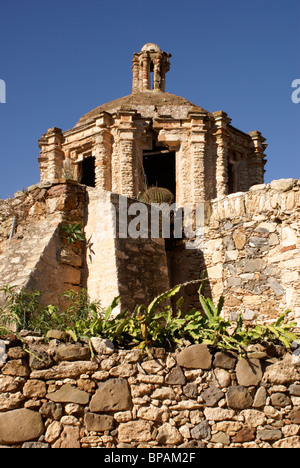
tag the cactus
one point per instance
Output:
(157, 195)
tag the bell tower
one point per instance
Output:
(149, 69)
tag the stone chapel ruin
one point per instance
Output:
(152, 138)
(60, 395)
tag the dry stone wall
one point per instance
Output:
(251, 250)
(56, 396)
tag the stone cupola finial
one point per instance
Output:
(149, 69)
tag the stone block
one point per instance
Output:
(72, 353)
(281, 373)
(218, 414)
(9, 401)
(269, 435)
(244, 435)
(69, 438)
(65, 370)
(253, 418)
(152, 413)
(34, 388)
(201, 431)
(239, 239)
(260, 398)
(211, 396)
(176, 377)
(102, 346)
(238, 397)
(69, 394)
(98, 422)
(254, 265)
(282, 185)
(112, 395)
(195, 357)
(20, 425)
(168, 435)
(3, 355)
(249, 372)
(17, 368)
(135, 431)
(280, 400)
(71, 275)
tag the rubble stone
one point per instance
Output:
(20, 425)
(112, 395)
(157, 403)
(195, 357)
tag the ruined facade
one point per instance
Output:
(154, 138)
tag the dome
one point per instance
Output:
(151, 47)
(147, 104)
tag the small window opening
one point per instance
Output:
(151, 76)
(88, 172)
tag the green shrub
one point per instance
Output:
(73, 232)
(155, 325)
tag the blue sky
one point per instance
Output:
(60, 59)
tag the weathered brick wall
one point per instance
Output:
(56, 396)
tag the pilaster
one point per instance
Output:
(52, 155)
(222, 139)
(102, 153)
(257, 158)
(126, 135)
(198, 141)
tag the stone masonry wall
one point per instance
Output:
(57, 396)
(39, 256)
(251, 250)
(117, 264)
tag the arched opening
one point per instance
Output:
(151, 76)
(88, 176)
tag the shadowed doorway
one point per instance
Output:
(88, 172)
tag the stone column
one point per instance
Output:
(198, 157)
(257, 159)
(52, 155)
(126, 135)
(221, 134)
(157, 74)
(102, 153)
(198, 161)
(146, 73)
(135, 74)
